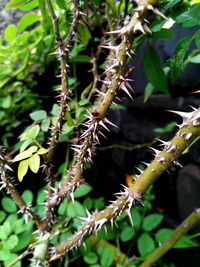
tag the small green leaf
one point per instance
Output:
(152, 221)
(148, 91)
(6, 102)
(25, 154)
(25, 144)
(27, 20)
(2, 216)
(10, 33)
(185, 242)
(38, 115)
(190, 17)
(127, 234)
(31, 133)
(177, 63)
(106, 255)
(45, 124)
(22, 169)
(11, 242)
(91, 257)
(197, 38)
(75, 209)
(194, 58)
(82, 190)
(136, 217)
(42, 151)
(27, 196)
(16, 3)
(163, 235)
(5, 230)
(4, 255)
(8, 205)
(34, 163)
(24, 240)
(154, 71)
(145, 244)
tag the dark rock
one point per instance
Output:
(188, 184)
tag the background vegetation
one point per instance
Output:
(43, 59)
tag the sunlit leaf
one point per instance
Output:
(22, 169)
(34, 163)
(25, 154)
(27, 20)
(10, 33)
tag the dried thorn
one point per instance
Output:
(156, 151)
(158, 13)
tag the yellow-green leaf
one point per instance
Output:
(25, 154)
(22, 169)
(34, 163)
(42, 151)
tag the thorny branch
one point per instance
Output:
(132, 195)
(64, 47)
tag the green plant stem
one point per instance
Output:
(188, 132)
(192, 220)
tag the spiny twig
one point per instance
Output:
(63, 50)
(188, 132)
(8, 183)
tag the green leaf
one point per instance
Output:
(136, 217)
(6, 103)
(5, 230)
(2, 216)
(25, 239)
(25, 144)
(163, 235)
(31, 133)
(38, 115)
(75, 209)
(84, 34)
(152, 221)
(45, 125)
(127, 234)
(189, 18)
(82, 190)
(163, 33)
(10, 33)
(22, 169)
(12, 257)
(11, 242)
(34, 163)
(177, 63)
(19, 226)
(42, 151)
(8, 205)
(154, 71)
(31, 4)
(25, 154)
(106, 256)
(4, 255)
(197, 38)
(27, 20)
(185, 242)
(27, 196)
(148, 91)
(61, 4)
(16, 3)
(91, 257)
(194, 59)
(145, 244)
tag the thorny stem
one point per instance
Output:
(7, 182)
(188, 132)
(97, 118)
(63, 53)
(192, 220)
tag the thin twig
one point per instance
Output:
(192, 220)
